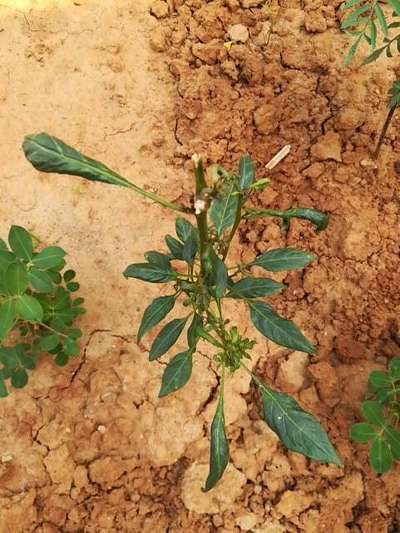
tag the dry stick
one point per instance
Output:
(384, 131)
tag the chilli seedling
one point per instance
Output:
(195, 264)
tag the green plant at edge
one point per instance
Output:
(382, 418)
(362, 23)
(207, 281)
(37, 309)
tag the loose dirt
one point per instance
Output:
(142, 85)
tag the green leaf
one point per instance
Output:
(73, 286)
(71, 347)
(21, 243)
(394, 368)
(393, 440)
(154, 313)
(177, 373)
(16, 279)
(319, 219)
(19, 378)
(48, 258)
(61, 359)
(192, 335)
(217, 274)
(283, 259)
(6, 258)
(167, 338)
(299, 431)
(223, 209)
(159, 259)
(49, 154)
(183, 229)
(69, 275)
(7, 318)
(374, 56)
(351, 52)
(175, 247)
(362, 432)
(219, 454)
(49, 342)
(3, 388)
(28, 308)
(3, 245)
(40, 281)
(380, 15)
(373, 413)
(190, 247)
(246, 172)
(348, 4)
(380, 457)
(353, 18)
(150, 272)
(254, 288)
(395, 5)
(373, 34)
(277, 329)
(378, 381)
(25, 359)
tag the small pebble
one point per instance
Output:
(238, 33)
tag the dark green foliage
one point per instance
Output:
(381, 413)
(36, 305)
(196, 265)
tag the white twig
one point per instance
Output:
(278, 157)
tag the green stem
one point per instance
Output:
(45, 326)
(158, 199)
(385, 127)
(201, 218)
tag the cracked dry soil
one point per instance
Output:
(91, 448)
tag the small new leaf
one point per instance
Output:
(223, 209)
(246, 172)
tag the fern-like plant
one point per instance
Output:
(367, 21)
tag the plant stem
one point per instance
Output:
(384, 131)
(201, 217)
(158, 199)
(45, 326)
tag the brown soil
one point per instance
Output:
(91, 448)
